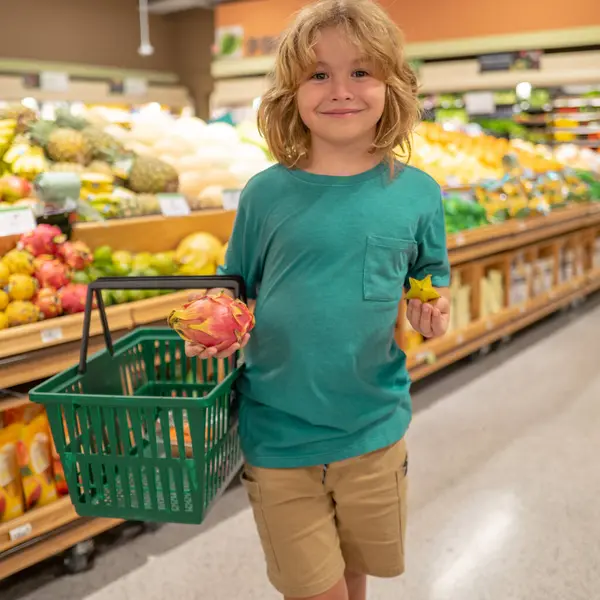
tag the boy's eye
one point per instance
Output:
(360, 73)
(319, 76)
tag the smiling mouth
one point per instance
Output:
(341, 113)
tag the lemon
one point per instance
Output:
(4, 299)
(4, 274)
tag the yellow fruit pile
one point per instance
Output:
(17, 288)
(456, 158)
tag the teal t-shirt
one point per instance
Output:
(327, 258)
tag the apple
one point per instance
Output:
(13, 188)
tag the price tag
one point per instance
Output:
(453, 181)
(51, 334)
(460, 339)
(54, 81)
(173, 205)
(480, 103)
(134, 86)
(18, 533)
(489, 325)
(17, 220)
(459, 239)
(231, 199)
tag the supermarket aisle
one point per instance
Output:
(504, 504)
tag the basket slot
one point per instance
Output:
(136, 425)
(150, 416)
(164, 360)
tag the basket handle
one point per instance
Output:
(170, 282)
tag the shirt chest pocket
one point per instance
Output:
(387, 261)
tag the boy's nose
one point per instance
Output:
(341, 91)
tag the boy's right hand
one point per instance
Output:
(192, 349)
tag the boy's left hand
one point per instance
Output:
(430, 319)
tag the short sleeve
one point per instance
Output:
(243, 253)
(432, 257)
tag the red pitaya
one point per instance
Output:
(213, 321)
(44, 239)
(51, 273)
(73, 296)
(48, 302)
(76, 254)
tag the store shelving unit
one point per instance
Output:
(36, 351)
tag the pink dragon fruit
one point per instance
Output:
(50, 272)
(48, 301)
(72, 297)
(44, 239)
(76, 254)
(213, 321)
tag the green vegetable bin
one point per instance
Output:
(143, 432)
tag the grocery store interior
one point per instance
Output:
(125, 141)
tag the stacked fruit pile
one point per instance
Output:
(46, 276)
(37, 277)
(457, 158)
(115, 180)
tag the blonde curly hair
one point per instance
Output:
(371, 28)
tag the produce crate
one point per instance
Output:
(143, 432)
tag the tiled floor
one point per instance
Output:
(505, 488)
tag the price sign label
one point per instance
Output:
(17, 220)
(54, 81)
(459, 239)
(51, 334)
(231, 199)
(480, 103)
(174, 205)
(134, 86)
(21, 532)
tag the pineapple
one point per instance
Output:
(151, 175)
(148, 204)
(68, 145)
(104, 146)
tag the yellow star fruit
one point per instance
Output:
(422, 290)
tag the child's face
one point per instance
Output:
(341, 100)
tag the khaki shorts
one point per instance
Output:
(314, 523)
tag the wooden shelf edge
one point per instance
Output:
(81, 530)
(11, 402)
(41, 520)
(30, 338)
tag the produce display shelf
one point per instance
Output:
(493, 239)
(437, 354)
(32, 352)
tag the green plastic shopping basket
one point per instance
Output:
(143, 432)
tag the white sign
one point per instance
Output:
(480, 103)
(52, 334)
(17, 220)
(18, 533)
(54, 81)
(231, 199)
(134, 86)
(174, 205)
